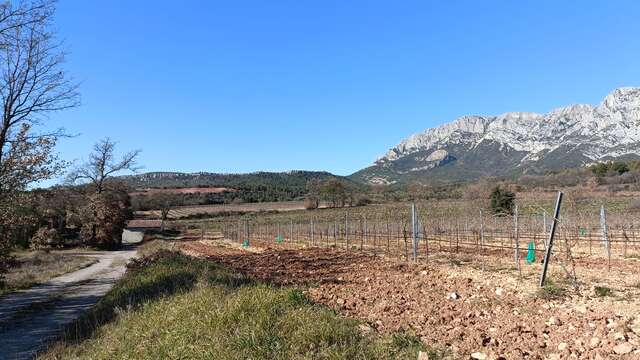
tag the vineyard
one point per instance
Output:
(394, 232)
(454, 273)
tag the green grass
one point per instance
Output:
(181, 307)
(36, 267)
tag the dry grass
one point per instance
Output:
(37, 267)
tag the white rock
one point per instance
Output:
(453, 296)
(562, 346)
(581, 309)
(499, 291)
(623, 348)
(479, 356)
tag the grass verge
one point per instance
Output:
(175, 306)
(36, 267)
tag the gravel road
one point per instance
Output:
(30, 319)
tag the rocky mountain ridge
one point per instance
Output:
(515, 143)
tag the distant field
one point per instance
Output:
(189, 190)
(186, 211)
(585, 202)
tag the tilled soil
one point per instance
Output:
(466, 310)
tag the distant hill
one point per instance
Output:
(250, 187)
(294, 178)
(513, 144)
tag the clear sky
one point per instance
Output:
(240, 86)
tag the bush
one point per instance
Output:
(619, 168)
(45, 238)
(502, 201)
(104, 218)
(363, 201)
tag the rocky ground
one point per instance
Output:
(472, 306)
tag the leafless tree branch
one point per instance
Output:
(102, 165)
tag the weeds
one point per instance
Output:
(603, 291)
(552, 291)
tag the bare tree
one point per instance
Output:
(163, 202)
(32, 86)
(102, 165)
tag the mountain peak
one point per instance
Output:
(621, 99)
(514, 142)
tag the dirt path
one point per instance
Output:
(31, 318)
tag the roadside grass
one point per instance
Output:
(175, 306)
(153, 246)
(36, 267)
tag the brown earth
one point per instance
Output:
(459, 304)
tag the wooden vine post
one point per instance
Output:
(414, 231)
(547, 253)
(517, 240)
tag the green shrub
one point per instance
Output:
(502, 201)
(363, 201)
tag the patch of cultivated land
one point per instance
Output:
(474, 306)
(186, 211)
(191, 190)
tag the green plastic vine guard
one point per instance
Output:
(531, 253)
(245, 243)
(279, 239)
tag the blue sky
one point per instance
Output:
(240, 86)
